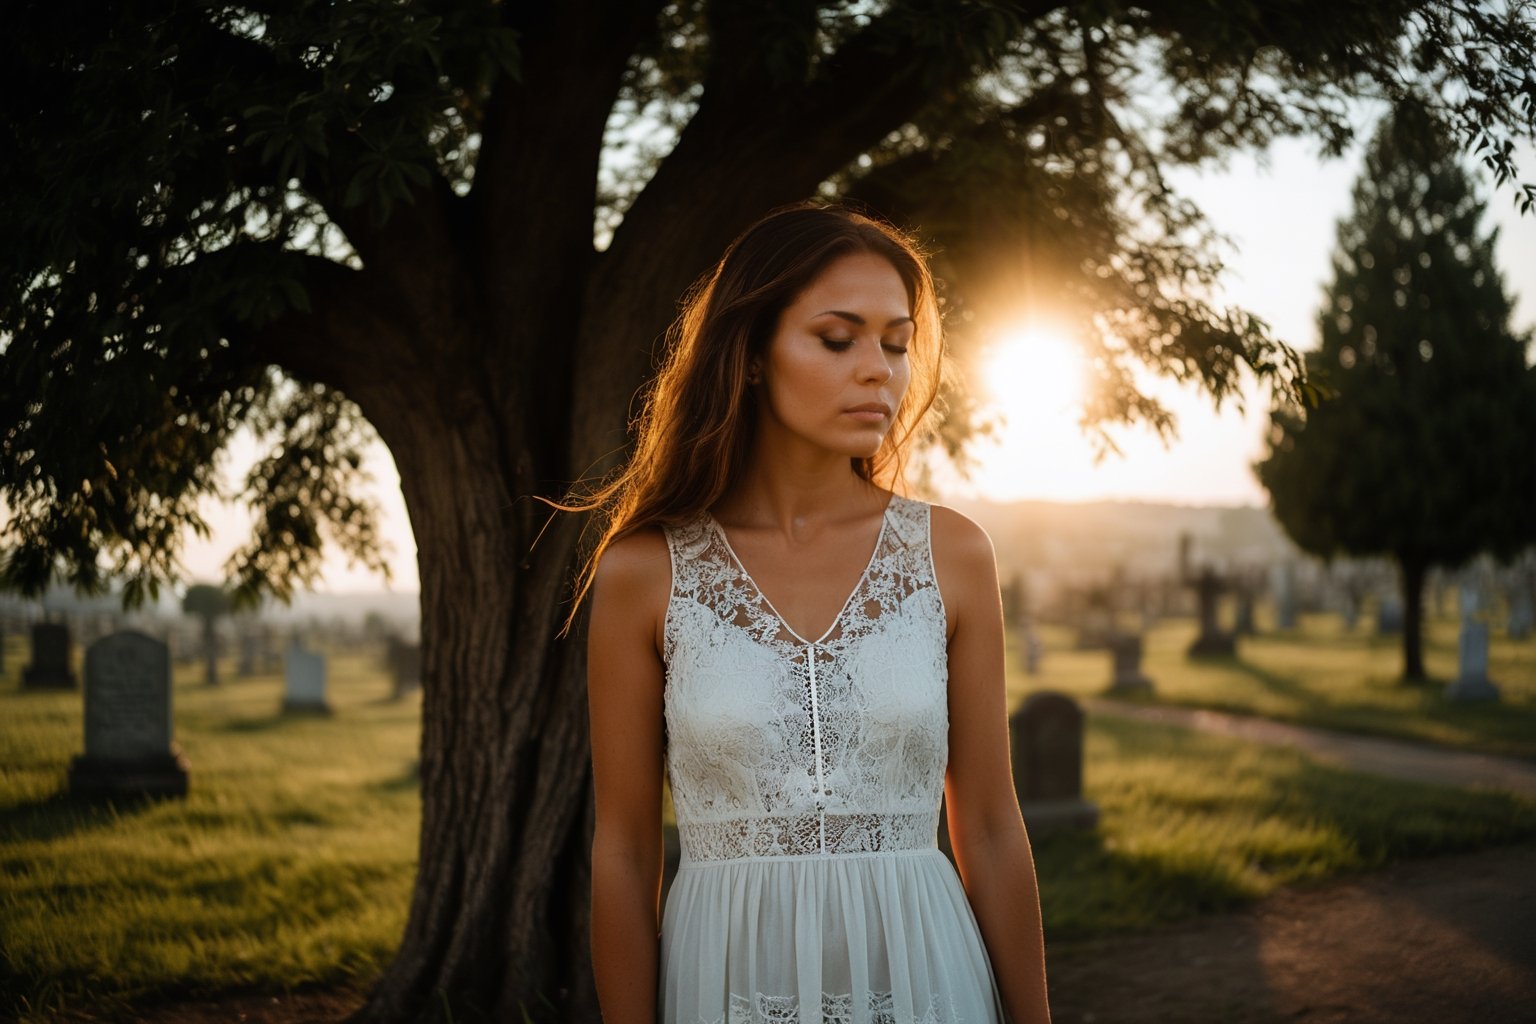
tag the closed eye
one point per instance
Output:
(838, 344)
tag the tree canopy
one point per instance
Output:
(466, 224)
(197, 189)
(1422, 452)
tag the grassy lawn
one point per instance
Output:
(1192, 823)
(292, 859)
(1320, 675)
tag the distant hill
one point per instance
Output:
(1050, 539)
(1140, 537)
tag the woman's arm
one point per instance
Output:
(624, 688)
(986, 829)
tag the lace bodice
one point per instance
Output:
(778, 745)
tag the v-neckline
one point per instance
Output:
(885, 519)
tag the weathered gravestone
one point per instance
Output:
(404, 667)
(1472, 682)
(1096, 622)
(1213, 641)
(1034, 650)
(1522, 613)
(49, 669)
(305, 678)
(1242, 623)
(247, 644)
(1389, 615)
(129, 749)
(1047, 742)
(1126, 648)
(1282, 583)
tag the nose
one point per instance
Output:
(875, 364)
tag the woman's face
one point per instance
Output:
(836, 369)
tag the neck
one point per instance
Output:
(792, 489)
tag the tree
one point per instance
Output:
(209, 602)
(466, 224)
(1423, 453)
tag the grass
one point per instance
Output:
(1192, 823)
(292, 859)
(1321, 675)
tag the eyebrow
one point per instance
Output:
(856, 319)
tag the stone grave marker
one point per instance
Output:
(1047, 742)
(1126, 648)
(1213, 641)
(1522, 613)
(1472, 682)
(1243, 620)
(1282, 583)
(305, 678)
(246, 648)
(1389, 615)
(1034, 650)
(49, 669)
(129, 750)
(404, 667)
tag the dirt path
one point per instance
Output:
(1446, 940)
(1376, 755)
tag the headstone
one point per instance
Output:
(305, 676)
(1034, 650)
(129, 749)
(1522, 613)
(1126, 648)
(245, 661)
(1096, 627)
(1472, 682)
(1213, 640)
(1351, 612)
(1047, 741)
(404, 667)
(1282, 583)
(1389, 616)
(1243, 624)
(49, 669)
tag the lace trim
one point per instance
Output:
(807, 834)
(835, 1009)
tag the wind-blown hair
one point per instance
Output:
(697, 424)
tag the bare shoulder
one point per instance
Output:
(959, 543)
(636, 567)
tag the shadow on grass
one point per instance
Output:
(62, 815)
(407, 781)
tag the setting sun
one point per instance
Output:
(1034, 379)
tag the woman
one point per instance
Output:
(812, 659)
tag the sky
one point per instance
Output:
(1280, 214)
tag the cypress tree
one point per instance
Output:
(1421, 447)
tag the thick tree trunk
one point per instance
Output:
(1414, 569)
(497, 928)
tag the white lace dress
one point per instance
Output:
(806, 777)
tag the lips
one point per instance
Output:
(875, 407)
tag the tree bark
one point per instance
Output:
(1414, 569)
(493, 932)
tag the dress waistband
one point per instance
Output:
(800, 835)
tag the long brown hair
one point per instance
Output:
(695, 430)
